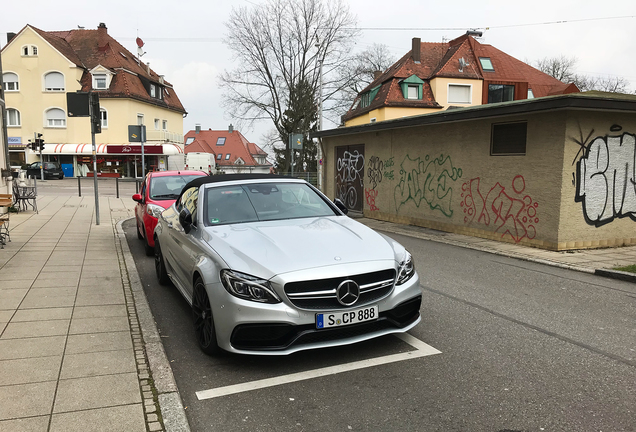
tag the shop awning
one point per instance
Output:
(166, 149)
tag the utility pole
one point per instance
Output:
(94, 101)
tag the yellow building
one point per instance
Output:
(40, 68)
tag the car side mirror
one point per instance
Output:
(185, 219)
(137, 197)
(341, 206)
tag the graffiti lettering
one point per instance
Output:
(514, 215)
(375, 171)
(371, 195)
(427, 180)
(606, 179)
(388, 164)
(350, 169)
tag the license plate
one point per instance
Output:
(335, 319)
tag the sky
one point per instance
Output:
(184, 40)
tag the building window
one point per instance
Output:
(157, 121)
(10, 81)
(530, 94)
(164, 125)
(189, 141)
(459, 93)
(220, 141)
(29, 50)
(486, 64)
(365, 100)
(103, 115)
(55, 118)
(413, 92)
(13, 117)
(153, 90)
(500, 93)
(54, 81)
(140, 119)
(99, 82)
(227, 156)
(509, 138)
(219, 156)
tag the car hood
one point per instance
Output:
(266, 249)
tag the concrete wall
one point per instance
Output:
(443, 177)
(599, 197)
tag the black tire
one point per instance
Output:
(160, 265)
(204, 329)
(150, 250)
(139, 236)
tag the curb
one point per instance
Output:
(616, 274)
(168, 399)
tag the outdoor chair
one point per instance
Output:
(6, 201)
(25, 196)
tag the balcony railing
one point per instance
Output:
(164, 136)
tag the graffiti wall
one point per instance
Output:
(350, 176)
(606, 180)
(509, 211)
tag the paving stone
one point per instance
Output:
(42, 314)
(30, 424)
(91, 299)
(35, 329)
(11, 299)
(99, 311)
(97, 392)
(26, 400)
(127, 418)
(154, 427)
(98, 325)
(32, 347)
(29, 370)
(95, 342)
(97, 363)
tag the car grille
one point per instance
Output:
(321, 293)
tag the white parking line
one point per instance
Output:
(421, 350)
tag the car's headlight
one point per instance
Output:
(406, 270)
(248, 287)
(154, 210)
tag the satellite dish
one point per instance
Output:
(140, 43)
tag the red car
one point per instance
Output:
(159, 191)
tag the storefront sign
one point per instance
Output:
(15, 140)
(134, 149)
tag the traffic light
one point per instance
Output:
(40, 142)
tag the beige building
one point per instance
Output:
(40, 68)
(556, 172)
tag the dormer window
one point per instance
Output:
(412, 88)
(486, 64)
(189, 140)
(220, 141)
(153, 90)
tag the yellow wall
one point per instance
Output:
(32, 101)
(439, 86)
(388, 113)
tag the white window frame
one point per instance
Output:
(219, 156)
(410, 87)
(153, 90)
(51, 123)
(97, 77)
(227, 156)
(29, 50)
(164, 125)
(157, 124)
(103, 117)
(470, 93)
(19, 123)
(6, 83)
(140, 119)
(530, 94)
(54, 89)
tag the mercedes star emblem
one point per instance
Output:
(348, 293)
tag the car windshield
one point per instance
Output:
(168, 187)
(262, 202)
(50, 165)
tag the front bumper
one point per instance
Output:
(247, 327)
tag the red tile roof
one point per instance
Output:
(90, 48)
(443, 60)
(235, 144)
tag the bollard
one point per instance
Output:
(79, 185)
(117, 186)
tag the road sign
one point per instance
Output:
(296, 141)
(136, 133)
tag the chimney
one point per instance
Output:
(148, 67)
(415, 49)
(197, 128)
(376, 75)
(231, 128)
(102, 37)
(10, 36)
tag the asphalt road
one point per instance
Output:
(524, 347)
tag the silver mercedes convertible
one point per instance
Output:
(271, 266)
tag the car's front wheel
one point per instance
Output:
(203, 321)
(160, 265)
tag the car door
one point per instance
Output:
(183, 245)
(33, 170)
(140, 208)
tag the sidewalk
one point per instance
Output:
(79, 350)
(72, 351)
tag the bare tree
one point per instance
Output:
(360, 72)
(563, 69)
(281, 46)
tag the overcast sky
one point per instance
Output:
(183, 40)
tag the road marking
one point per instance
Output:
(421, 350)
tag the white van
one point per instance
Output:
(200, 162)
